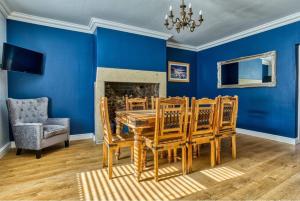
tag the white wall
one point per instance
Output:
(4, 136)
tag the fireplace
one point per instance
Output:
(117, 91)
(115, 83)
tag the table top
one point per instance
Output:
(137, 113)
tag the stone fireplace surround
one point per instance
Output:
(127, 76)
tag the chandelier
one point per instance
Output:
(185, 20)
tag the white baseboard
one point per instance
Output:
(85, 136)
(4, 149)
(268, 136)
(99, 142)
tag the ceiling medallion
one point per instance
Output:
(185, 20)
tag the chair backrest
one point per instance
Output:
(203, 116)
(171, 119)
(27, 110)
(105, 120)
(136, 103)
(227, 109)
(153, 99)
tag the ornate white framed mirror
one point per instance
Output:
(251, 71)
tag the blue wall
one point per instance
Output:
(116, 49)
(68, 74)
(270, 110)
(70, 61)
(71, 58)
(183, 89)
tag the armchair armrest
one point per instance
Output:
(28, 135)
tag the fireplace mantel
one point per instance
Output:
(123, 75)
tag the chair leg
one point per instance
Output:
(118, 153)
(144, 159)
(38, 154)
(155, 153)
(195, 151)
(199, 150)
(175, 154)
(184, 160)
(132, 153)
(190, 158)
(110, 163)
(169, 155)
(18, 151)
(104, 155)
(161, 154)
(67, 143)
(233, 148)
(218, 150)
(212, 153)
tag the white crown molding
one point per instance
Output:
(249, 32)
(268, 136)
(96, 22)
(48, 22)
(4, 9)
(182, 46)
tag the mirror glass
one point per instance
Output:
(253, 71)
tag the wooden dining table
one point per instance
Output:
(138, 121)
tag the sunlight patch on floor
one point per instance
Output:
(95, 185)
(222, 173)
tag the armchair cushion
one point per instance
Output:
(52, 130)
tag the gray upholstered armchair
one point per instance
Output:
(31, 127)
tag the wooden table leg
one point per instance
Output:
(118, 127)
(137, 153)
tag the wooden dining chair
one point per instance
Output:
(136, 103)
(170, 129)
(226, 123)
(112, 142)
(153, 102)
(202, 127)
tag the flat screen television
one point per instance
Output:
(20, 59)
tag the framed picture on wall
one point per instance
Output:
(178, 72)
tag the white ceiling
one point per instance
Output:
(222, 17)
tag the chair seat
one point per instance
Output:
(203, 135)
(122, 137)
(53, 130)
(149, 140)
(226, 132)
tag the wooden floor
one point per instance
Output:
(264, 170)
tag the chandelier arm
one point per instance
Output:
(176, 20)
(195, 23)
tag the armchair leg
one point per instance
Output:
(67, 143)
(38, 154)
(18, 151)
